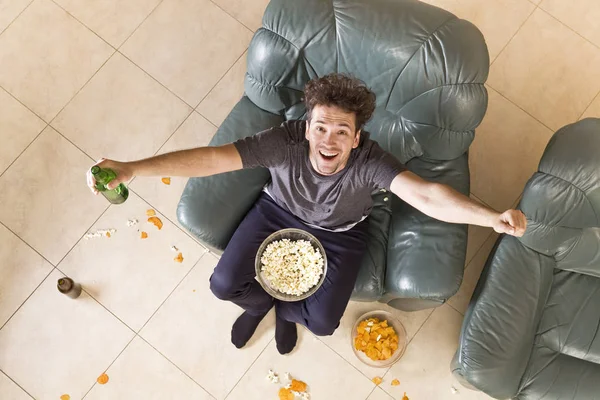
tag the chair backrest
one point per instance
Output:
(426, 66)
(562, 199)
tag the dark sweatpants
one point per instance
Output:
(233, 277)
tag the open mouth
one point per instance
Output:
(327, 155)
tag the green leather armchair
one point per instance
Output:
(532, 329)
(427, 68)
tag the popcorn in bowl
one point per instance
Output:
(291, 266)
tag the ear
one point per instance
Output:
(356, 139)
(306, 130)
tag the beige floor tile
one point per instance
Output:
(498, 20)
(379, 394)
(9, 10)
(341, 340)
(311, 362)
(249, 13)
(112, 20)
(476, 238)
(18, 127)
(194, 132)
(460, 301)
(593, 111)
(505, 153)
(121, 114)
(44, 198)
(424, 371)
(56, 345)
(140, 273)
(22, 270)
(46, 56)
(193, 330)
(10, 391)
(141, 372)
(548, 70)
(218, 103)
(581, 15)
(188, 45)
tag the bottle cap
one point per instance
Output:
(64, 284)
(95, 169)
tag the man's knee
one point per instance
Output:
(322, 324)
(222, 286)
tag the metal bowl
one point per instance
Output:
(291, 234)
(400, 331)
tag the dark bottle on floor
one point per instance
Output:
(68, 287)
(103, 176)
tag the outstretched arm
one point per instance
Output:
(441, 202)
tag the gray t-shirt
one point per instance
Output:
(335, 202)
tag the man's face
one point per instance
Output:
(331, 134)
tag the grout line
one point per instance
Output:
(589, 105)
(171, 135)
(477, 251)
(237, 20)
(139, 25)
(344, 358)
(84, 25)
(454, 308)
(172, 291)
(5, 374)
(519, 107)
(571, 29)
(513, 36)
(176, 223)
(26, 147)
(176, 366)
(413, 338)
(30, 294)
(81, 88)
(156, 80)
(16, 17)
(106, 369)
(248, 369)
(220, 79)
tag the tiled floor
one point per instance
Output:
(127, 79)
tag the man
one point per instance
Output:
(323, 171)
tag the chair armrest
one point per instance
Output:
(212, 207)
(500, 324)
(425, 258)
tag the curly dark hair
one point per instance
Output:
(343, 91)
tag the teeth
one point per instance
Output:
(328, 154)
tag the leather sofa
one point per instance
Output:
(532, 329)
(427, 68)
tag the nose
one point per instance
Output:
(329, 138)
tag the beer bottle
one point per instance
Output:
(103, 176)
(68, 287)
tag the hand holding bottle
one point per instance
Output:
(122, 170)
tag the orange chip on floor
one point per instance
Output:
(144, 235)
(286, 394)
(150, 213)
(166, 181)
(156, 221)
(107, 234)
(65, 397)
(395, 382)
(102, 379)
(405, 397)
(298, 386)
(377, 380)
(179, 258)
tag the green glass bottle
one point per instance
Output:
(103, 176)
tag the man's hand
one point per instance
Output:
(512, 222)
(123, 170)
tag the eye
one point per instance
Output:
(342, 133)
(320, 129)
